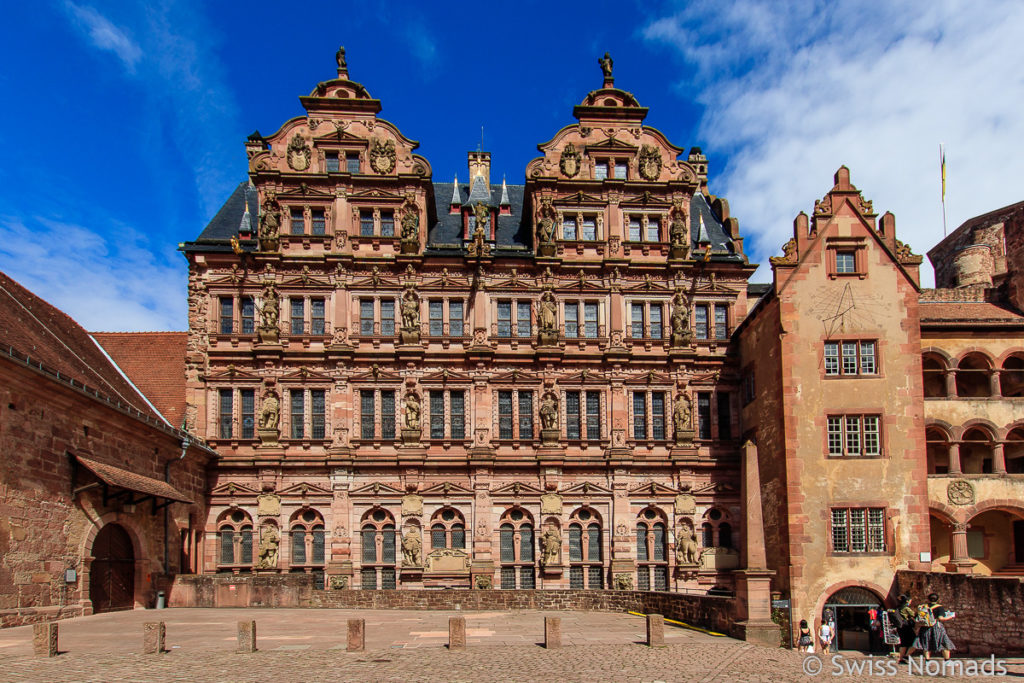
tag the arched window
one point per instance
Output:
(725, 535)
(517, 546)
(976, 451)
(307, 532)
(937, 449)
(651, 544)
(934, 369)
(1011, 377)
(707, 535)
(378, 550)
(1013, 452)
(973, 374)
(585, 550)
(716, 531)
(447, 529)
(234, 531)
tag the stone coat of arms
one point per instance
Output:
(382, 155)
(649, 163)
(299, 153)
(570, 161)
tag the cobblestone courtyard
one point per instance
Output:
(308, 645)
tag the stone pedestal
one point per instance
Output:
(550, 437)
(456, 633)
(655, 630)
(410, 436)
(678, 252)
(268, 438)
(546, 249)
(411, 577)
(409, 335)
(753, 593)
(154, 634)
(356, 635)
(547, 338)
(246, 636)
(552, 632)
(44, 639)
(684, 438)
(410, 247)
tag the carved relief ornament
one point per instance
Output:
(649, 163)
(299, 153)
(960, 492)
(570, 161)
(382, 155)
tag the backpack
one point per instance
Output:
(897, 619)
(925, 617)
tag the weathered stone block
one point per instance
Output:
(246, 636)
(44, 640)
(457, 633)
(356, 635)
(655, 630)
(552, 632)
(154, 634)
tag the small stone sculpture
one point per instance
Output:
(606, 65)
(682, 413)
(549, 412)
(411, 549)
(270, 410)
(269, 541)
(551, 546)
(687, 551)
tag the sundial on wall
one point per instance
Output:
(840, 310)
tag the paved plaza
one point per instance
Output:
(309, 645)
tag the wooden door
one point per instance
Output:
(112, 575)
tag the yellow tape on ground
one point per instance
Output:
(684, 625)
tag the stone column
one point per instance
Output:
(954, 458)
(998, 459)
(993, 383)
(959, 561)
(950, 383)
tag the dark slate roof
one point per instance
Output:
(224, 225)
(512, 231)
(722, 248)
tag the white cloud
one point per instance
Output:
(105, 35)
(109, 282)
(793, 91)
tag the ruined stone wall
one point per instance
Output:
(989, 620)
(43, 529)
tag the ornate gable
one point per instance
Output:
(446, 489)
(517, 488)
(304, 489)
(377, 489)
(652, 488)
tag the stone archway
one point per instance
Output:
(851, 607)
(112, 572)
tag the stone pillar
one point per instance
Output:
(993, 383)
(753, 584)
(954, 458)
(356, 635)
(950, 384)
(959, 560)
(655, 630)
(154, 634)
(998, 459)
(44, 639)
(246, 636)
(456, 633)
(552, 632)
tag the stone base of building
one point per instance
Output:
(767, 634)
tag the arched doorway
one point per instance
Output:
(851, 607)
(112, 574)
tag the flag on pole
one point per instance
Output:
(942, 168)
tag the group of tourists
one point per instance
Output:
(917, 628)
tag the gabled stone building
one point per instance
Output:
(417, 384)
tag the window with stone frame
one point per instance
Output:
(248, 315)
(352, 162)
(378, 550)
(858, 530)
(854, 436)
(648, 411)
(307, 539)
(586, 568)
(298, 220)
(454, 325)
(387, 223)
(652, 550)
(318, 221)
(234, 536)
(647, 319)
(517, 550)
(331, 160)
(297, 318)
(716, 530)
(366, 223)
(226, 415)
(582, 415)
(446, 411)
(851, 358)
(374, 403)
(514, 318)
(376, 316)
(711, 321)
(447, 529)
(582, 319)
(227, 314)
(515, 414)
(703, 415)
(580, 227)
(228, 402)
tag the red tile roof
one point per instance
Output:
(115, 476)
(31, 327)
(972, 313)
(155, 363)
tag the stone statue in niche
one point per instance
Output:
(268, 332)
(270, 223)
(681, 332)
(682, 413)
(478, 240)
(269, 542)
(547, 318)
(549, 412)
(382, 155)
(412, 411)
(678, 234)
(410, 227)
(410, 333)
(546, 228)
(299, 154)
(687, 550)
(606, 64)
(411, 549)
(551, 547)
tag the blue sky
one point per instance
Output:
(124, 122)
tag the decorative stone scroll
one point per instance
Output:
(960, 492)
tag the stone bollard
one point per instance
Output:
(153, 635)
(44, 639)
(356, 635)
(246, 636)
(655, 630)
(457, 633)
(552, 632)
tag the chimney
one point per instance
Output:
(479, 167)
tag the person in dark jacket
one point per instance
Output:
(906, 630)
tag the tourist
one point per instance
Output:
(806, 641)
(903, 617)
(932, 636)
(827, 633)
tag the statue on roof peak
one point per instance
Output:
(606, 65)
(339, 57)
